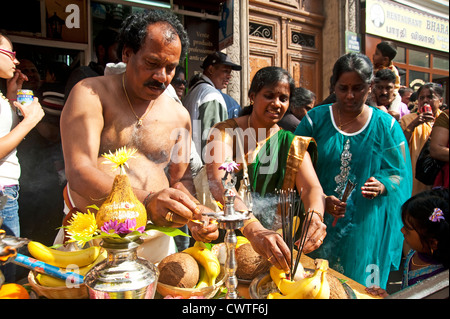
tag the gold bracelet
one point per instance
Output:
(312, 211)
(248, 222)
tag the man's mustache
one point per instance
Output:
(155, 84)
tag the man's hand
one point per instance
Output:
(171, 207)
(204, 229)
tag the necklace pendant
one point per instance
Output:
(139, 123)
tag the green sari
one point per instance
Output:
(273, 168)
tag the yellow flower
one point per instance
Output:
(120, 157)
(82, 227)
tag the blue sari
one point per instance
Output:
(367, 243)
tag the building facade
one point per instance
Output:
(303, 36)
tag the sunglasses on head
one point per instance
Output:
(179, 81)
(11, 54)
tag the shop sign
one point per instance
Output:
(203, 38)
(397, 22)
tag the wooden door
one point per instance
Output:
(282, 33)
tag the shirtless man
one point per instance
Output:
(105, 113)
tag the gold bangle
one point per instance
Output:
(248, 222)
(312, 211)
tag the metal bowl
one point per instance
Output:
(257, 284)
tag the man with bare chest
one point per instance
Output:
(105, 113)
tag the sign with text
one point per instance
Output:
(397, 22)
(352, 42)
(203, 39)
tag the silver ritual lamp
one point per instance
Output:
(230, 220)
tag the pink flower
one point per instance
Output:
(229, 166)
(110, 227)
(128, 226)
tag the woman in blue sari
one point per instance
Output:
(367, 147)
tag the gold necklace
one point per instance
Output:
(418, 265)
(139, 119)
(346, 123)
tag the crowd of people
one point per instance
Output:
(368, 133)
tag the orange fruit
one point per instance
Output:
(13, 291)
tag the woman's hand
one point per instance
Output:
(335, 207)
(32, 113)
(372, 188)
(268, 244)
(316, 233)
(423, 117)
(377, 291)
(14, 84)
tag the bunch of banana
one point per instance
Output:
(61, 258)
(209, 265)
(50, 281)
(203, 278)
(85, 259)
(314, 287)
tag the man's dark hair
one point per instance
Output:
(402, 91)
(385, 75)
(134, 30)
(301, 97)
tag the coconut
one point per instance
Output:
(337, 290)
(122, 204)
(249, 263)
(179, 270)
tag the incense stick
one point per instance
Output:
(349, 187)
(289, 209)
(305, 228)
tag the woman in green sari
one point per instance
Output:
(276, 160)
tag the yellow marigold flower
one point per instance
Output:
(82, 226)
